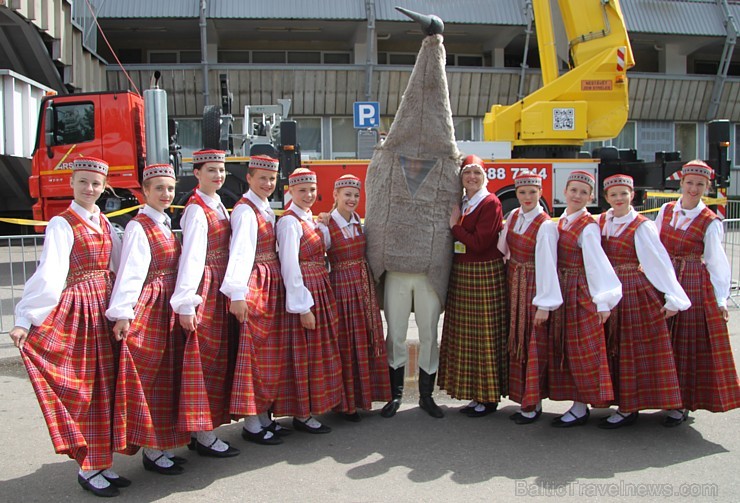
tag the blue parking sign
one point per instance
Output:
(366, 114)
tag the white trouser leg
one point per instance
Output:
(427, 309)
(397, 307)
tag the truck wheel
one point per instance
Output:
(211, 127)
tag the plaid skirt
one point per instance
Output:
(701, 346)
(639, 348)
(361, 345)
(71, 360)
(259, 352)
(527, 343)
(150, 366)
(311, 379)
(206, 374)
(578, 368)
(473, 360)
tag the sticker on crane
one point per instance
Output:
(563, 119)
(620, 59)
(596, 85)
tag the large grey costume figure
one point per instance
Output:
(412, 184)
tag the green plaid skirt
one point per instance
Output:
(474, 360)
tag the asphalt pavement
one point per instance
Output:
(411, 457)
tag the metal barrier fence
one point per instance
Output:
(20, 254)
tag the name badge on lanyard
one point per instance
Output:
(460, 247)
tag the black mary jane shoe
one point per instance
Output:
(488, 408)
(191, 444)
(178, 460)
(278, 429)
(578, 421)
(261, 437)
(206, 450)
(118, 481)
(520, 418)
(301, 426)
(105, 492)
(352, 418)
(152, 466)
(627, 419)
(466, 409)
(672, 422)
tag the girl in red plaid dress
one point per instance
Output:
(529, 242)
(255, 288)
(577, 363)
(151, 349)
(205, 386)
(312, 375)
(64, 337)
(639, 346)
(361, 343)
(693, 236)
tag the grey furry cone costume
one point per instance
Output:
(412, 181)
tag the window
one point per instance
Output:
(464, 60)
(463, 128)
(189, 136)
(268, 57)
(626, 138)
(737, 146)
(162, 57)
(190, 57)
(343, 138)
(74, 123)
(304, 57)
(685, 140)
(402, 59)
(309, 136)
(337, 58)
(233, 57)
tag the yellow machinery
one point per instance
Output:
(588, 102)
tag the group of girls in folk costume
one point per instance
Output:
(529, 242)
(693, 235)
(140, 381)
(361, 343)
(473, 357)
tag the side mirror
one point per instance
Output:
(49, 126)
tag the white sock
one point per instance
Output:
(578, 409)
(98, 481)
(252, 424)
(472, 404)
(264, 419)
(110, 474)
(676, 413)
(480, 407)
(169, 454)
(159, 457)
(616, 417)
(209, 439)
(311, 422)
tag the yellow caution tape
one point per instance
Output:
(23, 221)
(123, 211)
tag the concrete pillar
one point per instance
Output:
(671, 59)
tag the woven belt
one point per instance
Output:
(346, 264)
(214, 258)
(313, 262)
(78, 277)
(633, 266)
(159, 273)
(571, 271)
(262, 258)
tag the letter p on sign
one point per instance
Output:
(366, 114)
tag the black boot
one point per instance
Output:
(397, 377)
(426, 402)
